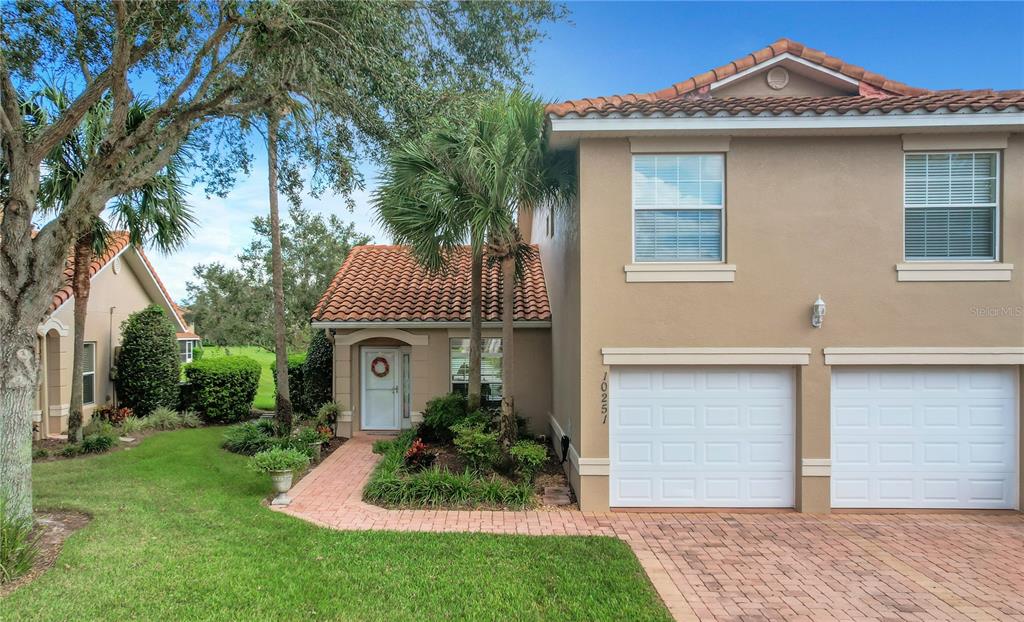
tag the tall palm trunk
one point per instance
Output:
(475, 327)
(507, 428)
(282, 400)
(81, 285)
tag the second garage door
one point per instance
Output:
(924, 437)
(701, 437)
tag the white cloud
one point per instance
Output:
(224, 229)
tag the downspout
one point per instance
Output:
(110, 355)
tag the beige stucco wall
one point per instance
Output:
(429, 372)
(113, 297)
(804, 216)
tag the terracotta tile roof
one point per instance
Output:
(877, 93)
(952, 101)
(117, 241)
(188, 335)
(385, 284)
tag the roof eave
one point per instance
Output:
(423, 323)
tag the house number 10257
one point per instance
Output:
(604, 398)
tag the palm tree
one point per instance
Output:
(473, 182)
(424, 202)
(156, 213)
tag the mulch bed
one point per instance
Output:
(53, 528)
(55, 445)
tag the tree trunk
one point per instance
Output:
(282, 399)
(475, 328)
(507, 427)
(19, 367)
(80, 286)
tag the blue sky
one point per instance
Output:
(621, 47)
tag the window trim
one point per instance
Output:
(89, 373)
(633, 208)
(501, 354)
(997, 218)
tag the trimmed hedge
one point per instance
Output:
(148, 370)
(296, 384)
(221, 390)
(317, 372)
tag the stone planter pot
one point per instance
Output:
(315, 448)
(282, 481)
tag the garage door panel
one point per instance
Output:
(717, 437)
(924, 437)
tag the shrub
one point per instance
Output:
(97, 443)
(197, 352)
(190, 420)
(71, 450)
(441, 415)
(390, 485)
(417, 457)
(308, 436)
(163, 419)
(40, 453)
(248, 438)
(221, 390)
(476, 446)
(327, 415)
(317, 371)
(132, 425)
(19, 544)
(147, 370)
(278, 459)
(296, 388)
(98, 426)
(528, 458)
(109, 413)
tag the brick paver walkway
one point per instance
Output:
(746, 566)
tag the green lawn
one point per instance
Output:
(265, 393)
(179, 534)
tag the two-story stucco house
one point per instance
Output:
(123, 282)
(787, 282)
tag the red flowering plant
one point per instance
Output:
(112, 415)
(418, 457)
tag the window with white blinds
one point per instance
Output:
(490, 367)
(678, 206)
(951, 203)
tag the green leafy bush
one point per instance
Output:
(249, 438)
(71, 450)
(441, 415)
(19, 544)
(221, 390)
(97, 443)
(476, 446)
(132, 425)
(278, 459)
(197, 352)
(317, 371)
(190, 420)
(392, 485)
(99, 426)
(327, 415)
(148, 369)
(528, 458)
(40, 453)
(163, 419)
(296, 383)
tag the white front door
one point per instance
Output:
(701, 437)
(382, 390)
(924, 437)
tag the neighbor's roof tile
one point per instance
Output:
(385, 284)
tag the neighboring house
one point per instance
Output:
(401, 338)
(687, 367)
(123, 282)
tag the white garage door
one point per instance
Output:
(924, 437)
(701, 437)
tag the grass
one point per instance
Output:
(179, 534)
(265, 392)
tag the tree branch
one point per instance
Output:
(119, 76)
(79, 26)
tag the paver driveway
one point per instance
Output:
(746, 566)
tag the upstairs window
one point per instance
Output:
(678, 207)
(950, 206)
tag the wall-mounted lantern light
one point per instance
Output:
(817, 312)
